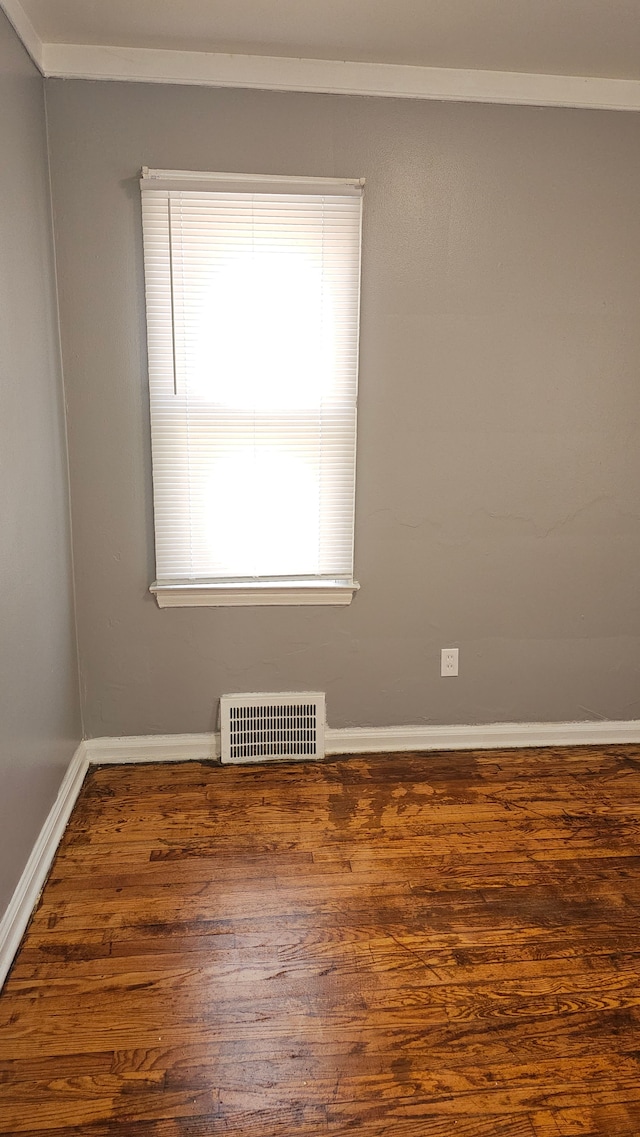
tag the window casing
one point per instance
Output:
(252, 288)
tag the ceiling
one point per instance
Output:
(553, 37)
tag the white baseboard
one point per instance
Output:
(206, 747)
(36, 871)
(377, 739)
(153, 748)
(363, 740)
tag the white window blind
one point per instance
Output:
(252, 293)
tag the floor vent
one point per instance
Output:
(264, 727)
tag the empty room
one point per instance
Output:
(319, 535)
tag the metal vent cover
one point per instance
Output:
(262, 727)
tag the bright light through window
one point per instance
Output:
(266, 333)
(264, 483)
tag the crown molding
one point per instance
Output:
(324, 76)
(145, 65)
(23, 27)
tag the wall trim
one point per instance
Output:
(329, 76)
(24, 29)
(507, 735)
(153, 748)
(206, 747)
(387, 80)
(378, 739)
(16, 918)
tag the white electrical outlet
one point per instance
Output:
(449, 661)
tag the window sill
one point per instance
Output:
(254, 593)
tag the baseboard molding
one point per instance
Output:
(206, 747)
(14, 922)
(362, 740)
(153, 748)
(377, 739)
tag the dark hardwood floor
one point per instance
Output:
(445, 945)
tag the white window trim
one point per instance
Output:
(196, 179)
(254, 593)
(289, 592)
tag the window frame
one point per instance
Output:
(255, 591)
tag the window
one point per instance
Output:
(252, 289)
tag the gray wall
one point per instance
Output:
(499, 431)
(39, 715)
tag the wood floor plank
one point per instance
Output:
(441, 945)
(621, 1119)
